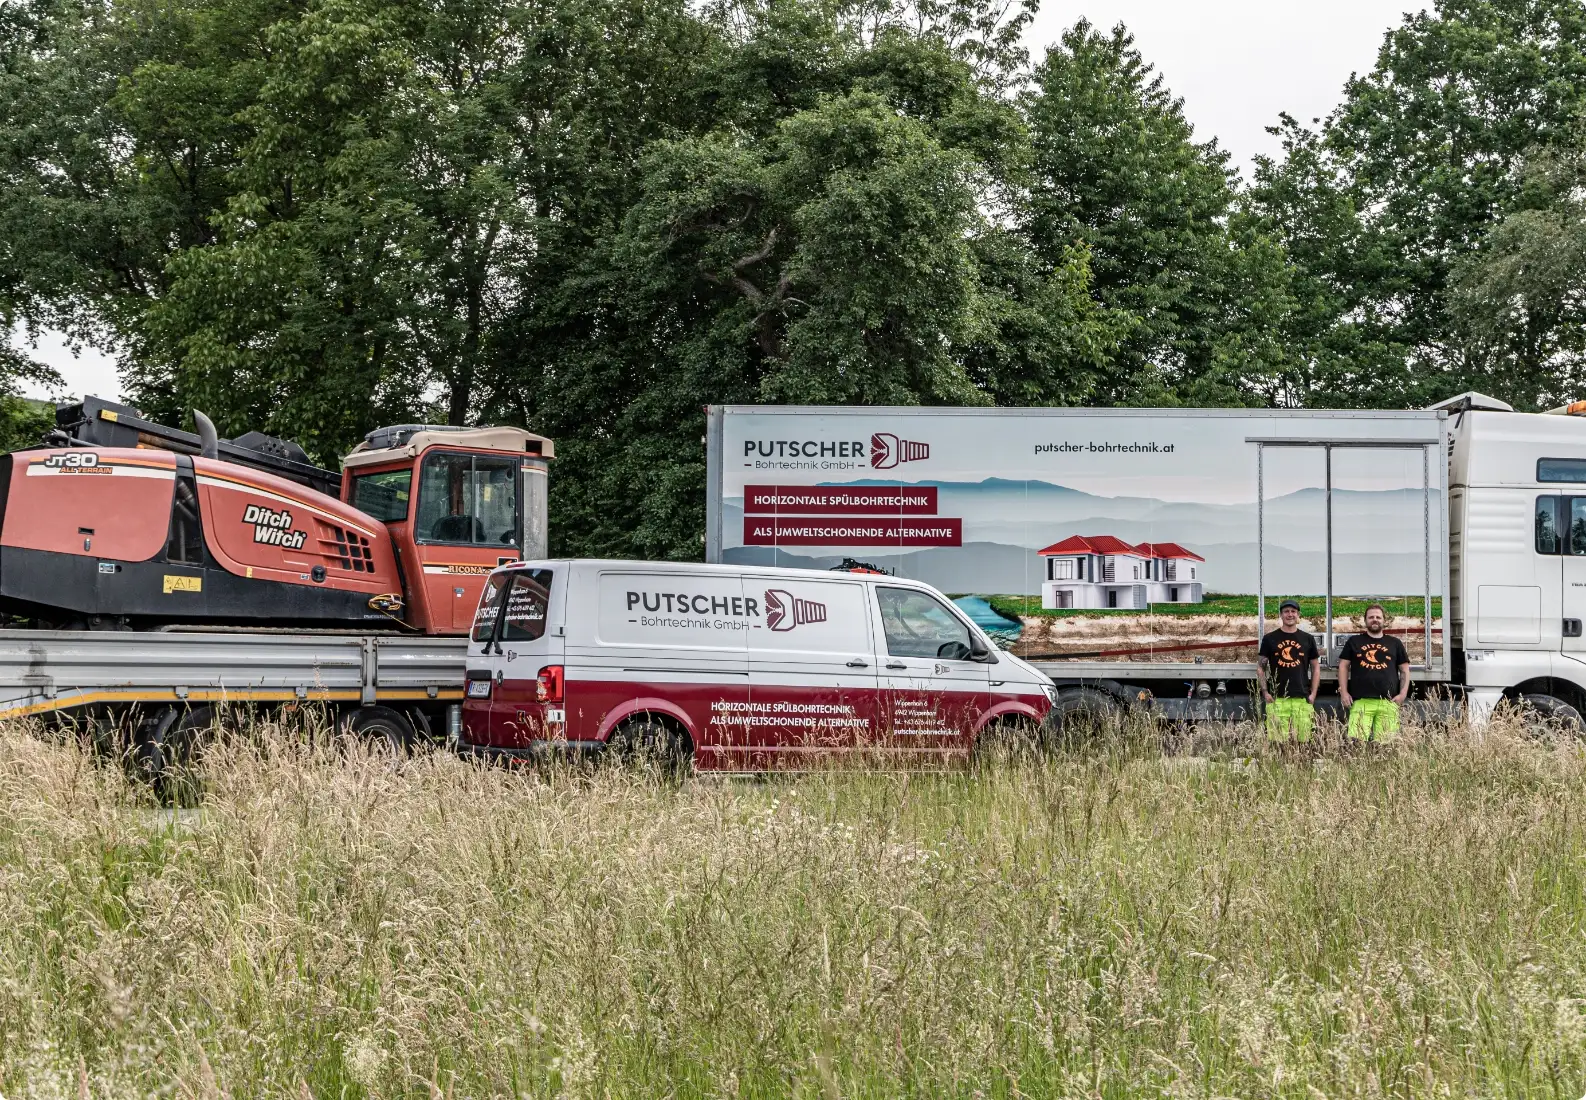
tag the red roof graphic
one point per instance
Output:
(1107, 544)
(1092, 544)
(1169, 550)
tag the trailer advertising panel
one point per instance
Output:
(1161, 535)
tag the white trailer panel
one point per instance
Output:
(1162, 537)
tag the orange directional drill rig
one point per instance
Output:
(120, 523)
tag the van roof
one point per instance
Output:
(685, 567)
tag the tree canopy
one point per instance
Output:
(311, 217)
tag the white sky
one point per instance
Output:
(1235, 63)
(1238, 63)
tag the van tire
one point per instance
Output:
(648, 741)
(1009, 740)
(1544, 715)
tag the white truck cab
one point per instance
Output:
(1517, 563)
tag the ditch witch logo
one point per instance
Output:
(886, 449)
(273, 528)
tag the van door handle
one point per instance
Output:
(896, 664)
(1572, 628)
(857, 663)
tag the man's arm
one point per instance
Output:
(1343, 683)
(1316, 677)
(1404, 681)
(1261, 670)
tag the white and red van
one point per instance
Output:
(745, 669)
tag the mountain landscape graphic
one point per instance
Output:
(1380, 541)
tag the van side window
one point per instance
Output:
(524, 620)
(917, 625)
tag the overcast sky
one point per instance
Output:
(1235, 63)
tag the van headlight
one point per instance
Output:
(1050, 689)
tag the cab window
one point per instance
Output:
(383, 495)
(467, 500)
(917, 625)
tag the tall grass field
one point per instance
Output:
(1108, 921)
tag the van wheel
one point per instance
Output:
(652, 743)
(1010, 740)
(1547, 715)
(382, 727)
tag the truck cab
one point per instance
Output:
(1517, 524)
(458, 502)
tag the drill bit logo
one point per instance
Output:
(887, 450)
(784, 611)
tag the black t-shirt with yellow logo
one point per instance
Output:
(1289, 657)
(1374, 665)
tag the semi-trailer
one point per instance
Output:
(1138, 555)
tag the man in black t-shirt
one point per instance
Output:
(1291, 669)
(1373, 679)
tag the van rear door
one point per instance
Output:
(812, 670)
(932, 693)
(525, 646)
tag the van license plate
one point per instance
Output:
(555, 715)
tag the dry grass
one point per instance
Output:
(1105, 923)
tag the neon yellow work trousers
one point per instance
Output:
(1374, 720)
(1286, 717)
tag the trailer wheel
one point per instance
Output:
(1546, 715)
(166, 746)
(650, 742)
(380, 726)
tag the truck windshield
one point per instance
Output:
(467, 499)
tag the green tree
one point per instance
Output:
(838, 235)
(1115, 169)
(1519, 300)
(23, 421)
(1397, 190)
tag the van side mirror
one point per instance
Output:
(954, 651)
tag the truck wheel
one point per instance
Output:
(381, 727)
(1545, 715)
(646, 741)
(1078, 709)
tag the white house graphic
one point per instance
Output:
(1102, 571)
